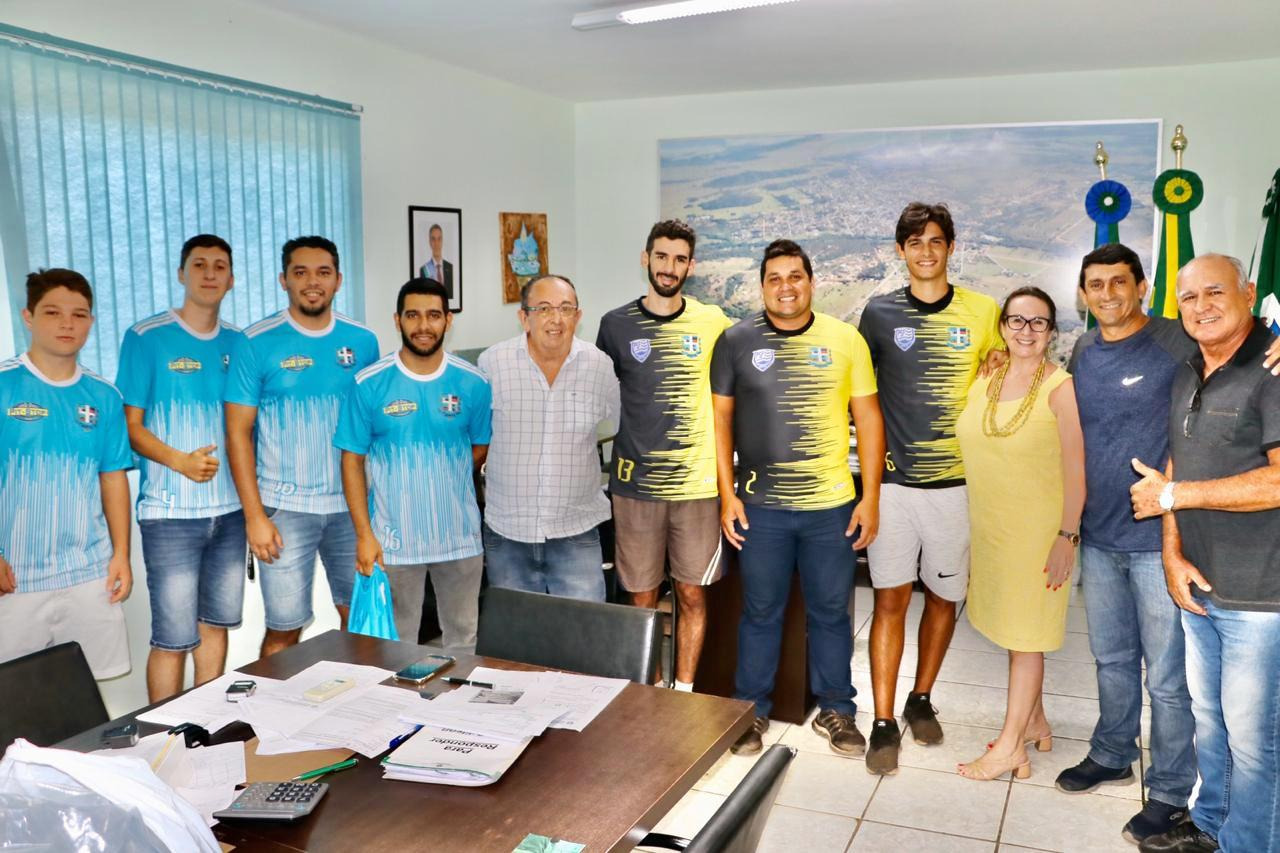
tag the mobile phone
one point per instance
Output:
(418, 673)
(119, 737)
(241, 690)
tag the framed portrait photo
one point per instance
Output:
(435, 248)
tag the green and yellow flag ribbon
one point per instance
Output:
(1176, 193)
(1264, 269)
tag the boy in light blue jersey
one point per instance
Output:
(173, 369)
(288, 378)
(413, 430)
(64, 498)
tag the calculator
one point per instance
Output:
(275, 801)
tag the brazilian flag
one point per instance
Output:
(1265, 267)
(1176, 193)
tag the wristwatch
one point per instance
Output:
(1073, 538)
(1166, 497)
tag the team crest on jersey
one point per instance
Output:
(87, 416)
(640, 349)
(450, 404)
(297, 363)
(762, 359)
(346, 357)
(958, 337)
(904, 337)
(28, 412)
(820, 356)
(184, 365)
(226, 362)
(691, 345)
(400, 408)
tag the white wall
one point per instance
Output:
(1227, 110)
(432, 134)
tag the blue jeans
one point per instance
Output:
(1132, 617)
(286, 583)
(195, 573)
(779, 542)
(568, 567)
(1233, 670)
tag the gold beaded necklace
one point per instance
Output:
(1020, 417)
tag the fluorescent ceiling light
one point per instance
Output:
(662, 12)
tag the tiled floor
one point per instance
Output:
(830, 803)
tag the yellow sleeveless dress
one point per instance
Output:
(1015, 511)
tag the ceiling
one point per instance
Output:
(807, 43)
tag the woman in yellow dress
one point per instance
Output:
(1024, 464)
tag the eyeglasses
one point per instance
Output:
(542, 312)
(1193, 407)
(1017, 322)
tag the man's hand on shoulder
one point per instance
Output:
(995, 360)
(1272, 361)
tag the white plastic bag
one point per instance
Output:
(72, 801)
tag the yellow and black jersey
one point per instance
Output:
(926, 355)
(666, 446)
(791, 393)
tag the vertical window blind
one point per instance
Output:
(109, 162)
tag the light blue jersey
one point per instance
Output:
(297, 379)
(56, 438)
(416, 433)
(177, 376)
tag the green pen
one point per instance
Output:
(321, 771)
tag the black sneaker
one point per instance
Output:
(841, 731)
(1186, 837)
(1089, 774)
(922, 719)
(1155, 818)
(882, 753)
(750, 742)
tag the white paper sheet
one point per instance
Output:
(206, 705)
(367, 724)
(580, 697)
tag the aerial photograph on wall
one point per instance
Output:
(1016, 193)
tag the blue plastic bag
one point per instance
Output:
(371, 610)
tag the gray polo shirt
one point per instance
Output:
(1220, 426)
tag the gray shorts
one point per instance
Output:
(928, 525)
(37, 620)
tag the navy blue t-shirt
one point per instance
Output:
(1122, 391)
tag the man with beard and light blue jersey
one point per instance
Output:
(288, 379)
(172, 373)
(64, 497)
(413, 430)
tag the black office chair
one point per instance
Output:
(737, 825)
(48, 695)
(591, 637)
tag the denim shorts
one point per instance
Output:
(195, 573)
(287, 582)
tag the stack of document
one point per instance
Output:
(364, 718)
(449, 757)
(472, 734)
(206, 776)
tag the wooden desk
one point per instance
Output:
(604, 787)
